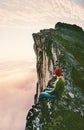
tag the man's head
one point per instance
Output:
(58, 72)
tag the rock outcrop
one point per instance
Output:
(63, 47)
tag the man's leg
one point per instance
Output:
(46, 95)
(47, 89)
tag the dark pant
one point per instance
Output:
(44, 94)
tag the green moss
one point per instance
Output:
(78, 77)
(65, 120)
(75, 48)
(69, 26)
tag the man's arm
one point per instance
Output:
(54, 88)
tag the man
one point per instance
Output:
(58, 87)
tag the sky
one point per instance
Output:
(18, 20)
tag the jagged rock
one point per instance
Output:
(64, 47)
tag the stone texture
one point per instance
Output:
(63, 47)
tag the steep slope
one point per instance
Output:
(63, 47)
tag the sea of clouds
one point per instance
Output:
(17, 89)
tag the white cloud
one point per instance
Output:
(17, 89)
(39, 13)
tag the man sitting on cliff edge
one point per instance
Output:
(58, 87)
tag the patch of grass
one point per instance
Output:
(65, 120)
(75, 48)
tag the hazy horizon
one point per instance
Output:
(17, 89)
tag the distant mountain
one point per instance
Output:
(62, 46)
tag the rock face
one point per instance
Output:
(63, 47)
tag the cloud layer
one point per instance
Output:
(17, 89)
(40, 13)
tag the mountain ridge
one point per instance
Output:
(53, 48)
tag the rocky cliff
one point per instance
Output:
(62, 46)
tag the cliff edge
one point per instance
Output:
(62, 46)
